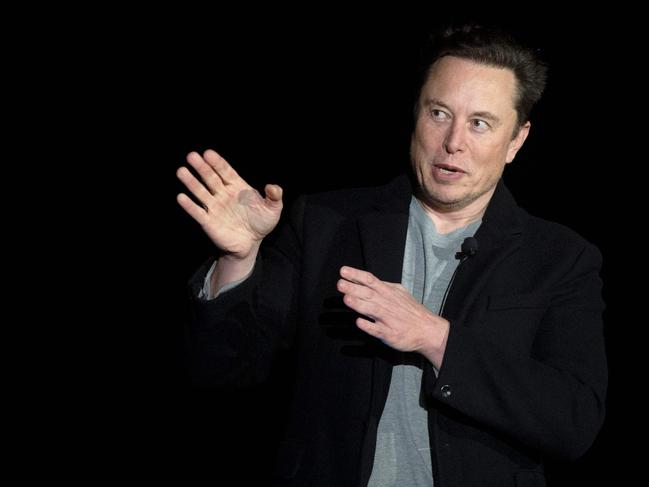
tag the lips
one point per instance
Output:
(447, 173)
(449, 168)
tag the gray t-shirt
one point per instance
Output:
(402, 456)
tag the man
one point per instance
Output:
(396, 385)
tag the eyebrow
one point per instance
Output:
(482, 114)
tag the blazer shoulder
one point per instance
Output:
(556, 237)
(342, 199)
(395, 195)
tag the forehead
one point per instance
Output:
(465, 84)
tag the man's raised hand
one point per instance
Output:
(232, 213)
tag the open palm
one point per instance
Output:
(232, 213)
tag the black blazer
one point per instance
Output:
(524, 373)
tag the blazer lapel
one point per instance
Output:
(497, 237)
(383, 231)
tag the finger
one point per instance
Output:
(195, 211)
(211, 180)
(368, 308)
(273, 193)
(227, 174)
(356, 290)
(370, 328)
(194, 185)
(358, 276)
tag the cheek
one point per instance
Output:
(489, 158)
(426, 137)
(417, 151)
(433, 139)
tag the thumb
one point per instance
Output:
(273, 193)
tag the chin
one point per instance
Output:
(450, 204)
(445, 199)
(447, 194)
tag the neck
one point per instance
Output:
(448, 220)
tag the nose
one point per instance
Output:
(454, 141)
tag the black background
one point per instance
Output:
(317, 101)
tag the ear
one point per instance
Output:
(517, 142)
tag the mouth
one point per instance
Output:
(448, 169)
(447, 174)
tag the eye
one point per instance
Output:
(480, 125)
(438, 114)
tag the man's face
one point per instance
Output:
(463, 134)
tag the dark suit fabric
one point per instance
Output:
(524, 372)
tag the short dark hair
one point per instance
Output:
(490, 46)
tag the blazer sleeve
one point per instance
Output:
(233, 338)
(552, 399)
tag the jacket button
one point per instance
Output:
(446, 390)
